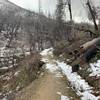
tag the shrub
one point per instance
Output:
(84, 72)
(60, 48)
(29, 71)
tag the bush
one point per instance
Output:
(97, 56)
(84, 72)
(60, 48)
(30, 68)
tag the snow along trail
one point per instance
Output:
(50, 85)
(95, 69)
(80, 85)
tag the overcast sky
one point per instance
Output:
(47, 5)
(78, 9)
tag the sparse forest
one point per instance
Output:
(38, 46)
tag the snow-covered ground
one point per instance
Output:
(47, 52)
(9, 52)
(63, 97)
(95, 68)
(81, 87)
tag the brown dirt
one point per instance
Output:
(47, 87)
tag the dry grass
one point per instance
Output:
(29, 68)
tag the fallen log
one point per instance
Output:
(87, 52)
(88, 45)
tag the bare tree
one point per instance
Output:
(70, 9)
(2, 20)
(60, 11)
(40, 8)
(92, 14)
(11, 26)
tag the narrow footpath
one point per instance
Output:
(51, 85)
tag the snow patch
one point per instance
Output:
(95, 68)
(54, 69)
(88, 96)
(79, 84)
(16, 73)
(51, 67)
(59, 93)
(47, 51)
(64, 97)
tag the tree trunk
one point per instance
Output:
(70, 10)
(87, 52)
(93, 16)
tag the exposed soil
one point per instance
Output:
(48, 87)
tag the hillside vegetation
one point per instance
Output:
(47, 50)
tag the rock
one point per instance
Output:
(75, 68)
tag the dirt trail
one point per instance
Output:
(49, 86)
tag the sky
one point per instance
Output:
(46, 5)
(79, 12)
